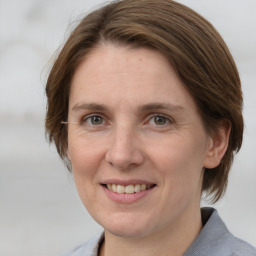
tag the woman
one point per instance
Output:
(145, 108)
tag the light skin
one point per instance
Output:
(132, 121)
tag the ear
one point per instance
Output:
(218, 145)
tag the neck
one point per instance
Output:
(170, 241)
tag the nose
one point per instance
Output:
(124, 151)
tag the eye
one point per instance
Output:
(159, 120)
(93, 120)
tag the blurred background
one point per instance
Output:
(40, 212)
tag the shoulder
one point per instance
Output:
(217, 240)
(240, 247)
(226, 241)
(90, 248)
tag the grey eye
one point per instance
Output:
(160, 120)
(95, 120)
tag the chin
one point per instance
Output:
(127, 232)
(126, 226)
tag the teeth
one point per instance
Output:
(120, 189)
(137, 188)
(114, 187)
(143, 187)
(130, 189)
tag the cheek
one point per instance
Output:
(85, 160)
(179, 163)
(84, 163)
(84, 153)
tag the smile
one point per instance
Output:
(129, 189)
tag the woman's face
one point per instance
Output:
(133, 124)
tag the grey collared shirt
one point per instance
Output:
(213, 240)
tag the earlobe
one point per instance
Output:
(218, 145)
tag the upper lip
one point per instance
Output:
(126, 182)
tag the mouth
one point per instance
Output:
(129, 189)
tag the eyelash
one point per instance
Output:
(166, 118)
(156, 115)
(87, 117)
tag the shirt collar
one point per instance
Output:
(211, 235)
(208, 239)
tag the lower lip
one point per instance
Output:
(127, 198)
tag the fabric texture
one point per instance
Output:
(216, 240)
(213, 240)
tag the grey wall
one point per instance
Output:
(40, 213)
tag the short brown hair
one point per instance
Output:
(191, 44)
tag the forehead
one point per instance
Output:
(117, 74)
(109, 60)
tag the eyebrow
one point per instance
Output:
(161, 106)
(143, 108)
(89, 106)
